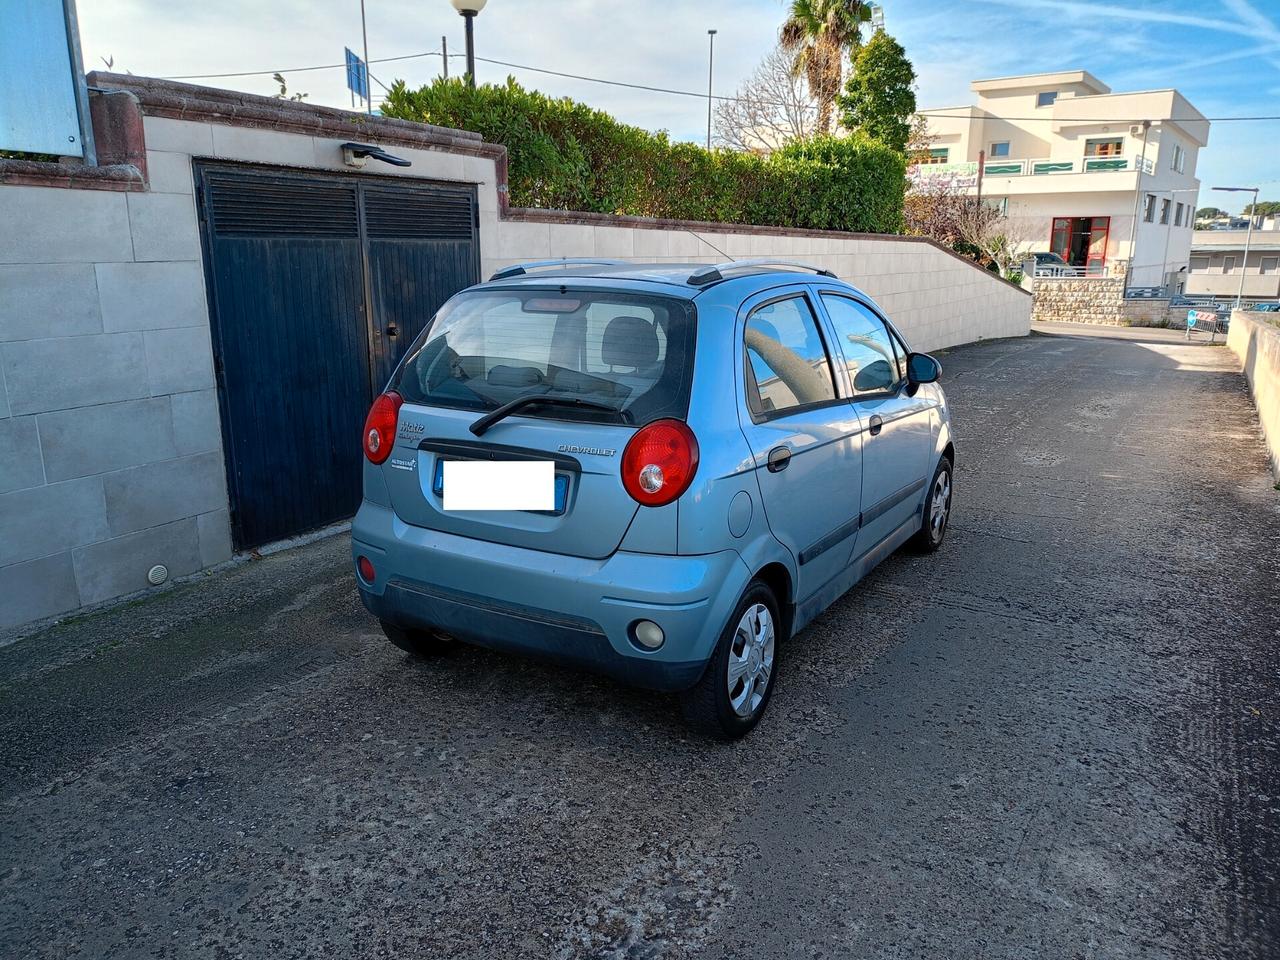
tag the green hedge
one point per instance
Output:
(564, 155)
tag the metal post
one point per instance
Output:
(364, 32)
(470, 16)
(982, 162)
(1137, 197)
(1244, 267)
(444, 55)
(711, 59)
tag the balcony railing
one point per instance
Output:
(961, 172)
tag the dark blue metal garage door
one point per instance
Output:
(317, 285)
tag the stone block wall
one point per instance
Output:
(110, 443)
(1079, 300)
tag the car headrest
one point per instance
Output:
(629, 342)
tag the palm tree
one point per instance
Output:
(817, 33)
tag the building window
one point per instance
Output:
(1179, 159)
(938, 155)
(1046, 98)
(1149, 209)
(1229, 265)
(1109, 147)
(1199, 265)
(1165, 204)
(1178, 214)
(1270, 265)
(1082, 241)
(999, 149)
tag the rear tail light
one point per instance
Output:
(659, 462)
(380, 426)
(365, 566)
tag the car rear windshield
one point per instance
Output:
(632, 352)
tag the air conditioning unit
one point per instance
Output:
(1135, 130)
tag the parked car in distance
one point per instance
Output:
(1050, 264)
(706, 458)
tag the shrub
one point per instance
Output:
(565, 155)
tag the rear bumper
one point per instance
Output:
(571, 609)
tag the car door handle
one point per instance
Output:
(779, 459)
(877, 422)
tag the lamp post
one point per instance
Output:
(1253, 211)
(711, 59)
(468, 9)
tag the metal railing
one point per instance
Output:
(1037, 167)
(1063, 270)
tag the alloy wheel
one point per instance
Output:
(751, 660)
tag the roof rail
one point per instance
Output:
(712, 274)
(522, 268)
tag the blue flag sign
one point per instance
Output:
(357, 75)
(1191, 318)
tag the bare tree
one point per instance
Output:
(773, 108)
(1002, 240)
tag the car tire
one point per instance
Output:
(419, 643)
(933, 525)
(722, 705)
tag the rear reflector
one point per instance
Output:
(380, 426)
(365, 566)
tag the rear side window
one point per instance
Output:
(787, 364)
(872, 357)
(629, 351)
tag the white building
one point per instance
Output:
(1071, 162)
(1218, 263)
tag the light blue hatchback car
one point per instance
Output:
(687, 464)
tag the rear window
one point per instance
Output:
(633, 352)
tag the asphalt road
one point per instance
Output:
(1056, 738)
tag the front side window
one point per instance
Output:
(1179, 162)
(1165, 204)
(786, 361)
(1177, 215)
(632, 352)
(872, 357)
(1046, 98)
(1149, 208)
(1000, 148)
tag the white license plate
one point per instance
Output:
(499, 485)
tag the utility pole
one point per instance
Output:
(711, 59)
(982, 162)
(444, 55)
(364, 32)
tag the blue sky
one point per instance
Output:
(1224, 55)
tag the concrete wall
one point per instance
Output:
(937, 299)
(1255, 340)
(111, 457)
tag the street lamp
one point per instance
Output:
(1253, 210)
(469, 9)
(711, 59)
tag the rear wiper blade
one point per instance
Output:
(529, 400)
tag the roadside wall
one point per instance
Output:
(111, 457)
(1098, 300)
(1255, 341)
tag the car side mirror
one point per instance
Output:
(922, 368)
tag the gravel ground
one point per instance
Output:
(1055, 738)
